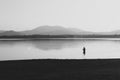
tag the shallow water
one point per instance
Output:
(59, 49)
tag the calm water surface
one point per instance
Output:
(59, 49)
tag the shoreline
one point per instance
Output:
(20, 39)
(53, 69)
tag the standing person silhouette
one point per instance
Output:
(84, 50)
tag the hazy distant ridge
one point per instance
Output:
(55, 30)
(9, 33)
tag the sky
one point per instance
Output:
(90, 15)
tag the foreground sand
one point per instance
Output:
(106, 69)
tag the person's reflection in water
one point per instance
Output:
(84, 51)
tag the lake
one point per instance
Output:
(59, 49)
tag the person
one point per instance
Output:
(84, 50)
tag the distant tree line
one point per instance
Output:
(60, 36)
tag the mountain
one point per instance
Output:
(115, 32)
(9, 33)
(55, 30)
(1, 31)
(47, 30)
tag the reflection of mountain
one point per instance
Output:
(56, 44)
(47, 44)
(8, 43)
(60, 44)
(43, 44)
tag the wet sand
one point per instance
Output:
(47, 69)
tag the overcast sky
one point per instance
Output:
(92, 15)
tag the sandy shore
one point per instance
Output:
(97, 69)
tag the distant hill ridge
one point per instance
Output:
(54, 30)
(9, 33)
